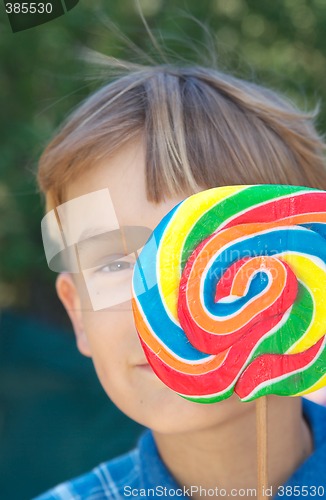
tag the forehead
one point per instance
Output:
(123, 174)
(105, 210)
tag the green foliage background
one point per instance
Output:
(280, 43)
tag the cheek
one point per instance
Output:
(115, 347)
(106, 332)
(113, 342)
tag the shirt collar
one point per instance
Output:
(153, 470)
(155, 473)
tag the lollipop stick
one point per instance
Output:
(261, 431)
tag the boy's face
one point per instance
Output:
(109, 335)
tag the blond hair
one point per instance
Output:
(201, 127)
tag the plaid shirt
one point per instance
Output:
(141, 472)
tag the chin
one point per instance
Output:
(154, 405)
(173, 414)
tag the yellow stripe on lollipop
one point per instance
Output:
(313, 277)
(174, 237)
(318, 385)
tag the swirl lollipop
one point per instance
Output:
(229, 293)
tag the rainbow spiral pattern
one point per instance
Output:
(229, 293)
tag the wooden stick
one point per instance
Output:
(261, 432)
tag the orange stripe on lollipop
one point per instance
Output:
(223, 326)
(166, 356)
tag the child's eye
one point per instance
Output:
(116, 266)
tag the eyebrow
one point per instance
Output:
(101, 246)
(92, 232)
(123, 241)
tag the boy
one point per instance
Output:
(151, 138)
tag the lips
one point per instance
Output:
(144, 365)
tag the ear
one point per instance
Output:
(68, 294)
